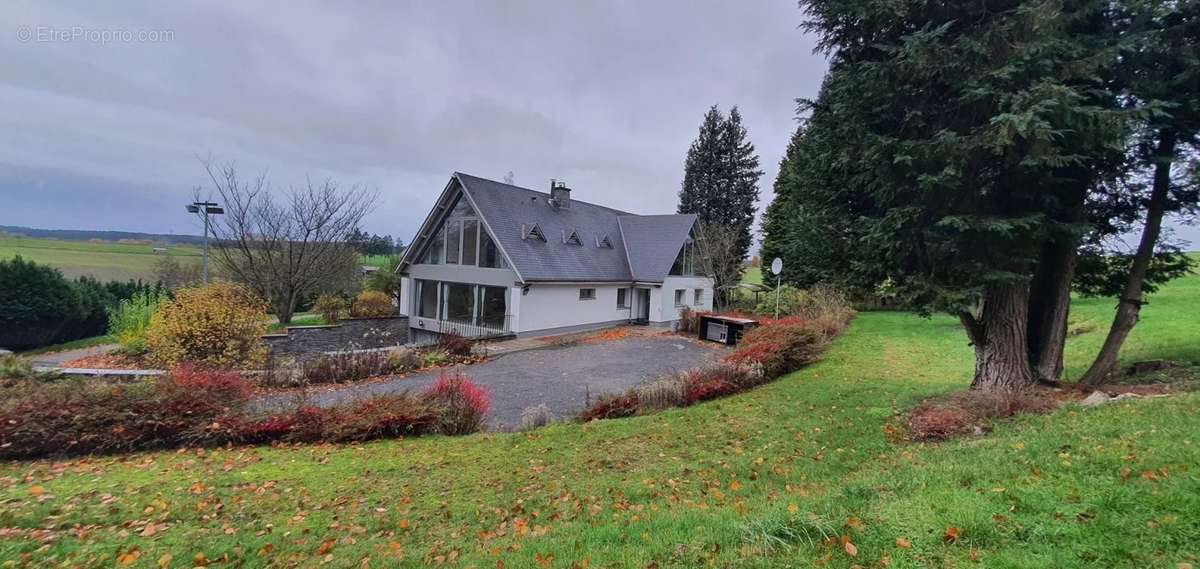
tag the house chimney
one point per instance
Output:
(560, 194)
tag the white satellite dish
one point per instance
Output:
(776, 266)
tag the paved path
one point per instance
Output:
(56, 359)
(560, 377)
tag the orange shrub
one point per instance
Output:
(220, 324)
(372, 304)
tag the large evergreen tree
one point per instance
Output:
(720, 184)
(960, 141)
(1159, 72)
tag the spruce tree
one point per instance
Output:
(960, 141)
(720, 185)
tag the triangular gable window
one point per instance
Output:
(572, 238)
(603, 242)
(533, 232)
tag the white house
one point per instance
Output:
(495, 259)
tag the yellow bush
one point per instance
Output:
(372, 303)
(219, 324)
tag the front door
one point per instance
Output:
(643, 302)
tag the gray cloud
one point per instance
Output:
(606, 95)
(395, 96)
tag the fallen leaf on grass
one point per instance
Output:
(326, 547)
(903, 543)
(129, 557)
(951, 535)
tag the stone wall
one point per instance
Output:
(303, 343)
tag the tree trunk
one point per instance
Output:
(1129, 305)
(1049, 306)
(1000, 336)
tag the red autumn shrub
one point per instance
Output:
(217, 388)
(719, 380)
(454, 344)
(84, 417)
(610, 407)
(780, 347)
(460, 404)
(382, 416)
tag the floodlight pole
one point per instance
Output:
(205, 208)
(206, 252)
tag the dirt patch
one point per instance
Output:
(973, 412)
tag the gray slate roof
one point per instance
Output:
(653, 242)
(648, 244)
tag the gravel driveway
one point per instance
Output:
(560, 377)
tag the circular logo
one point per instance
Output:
(24, 34)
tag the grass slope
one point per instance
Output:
(755, 480)
(105, 261)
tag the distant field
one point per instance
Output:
(103, 260)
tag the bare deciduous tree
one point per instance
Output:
(719, 255)
(289, 247)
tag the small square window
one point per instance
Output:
(622, 298)
(698, 297)
(587, 294)
(679, 297)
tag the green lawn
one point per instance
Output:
(753, 275)
(73, 345)
(755, 480)
(298, 319)
(103, 260)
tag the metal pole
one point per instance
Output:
(206, 245)
(778, 281)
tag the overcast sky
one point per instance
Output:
(106, 108)
(104, 132)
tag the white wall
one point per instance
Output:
(667, 311)
(558, 305)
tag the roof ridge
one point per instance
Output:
(547, 194)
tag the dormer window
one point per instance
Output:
(572, 238)
(532, 232)
(603, 242)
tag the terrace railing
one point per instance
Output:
(465, 329)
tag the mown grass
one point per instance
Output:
(756, 480)
(103, 260)
(298, 319)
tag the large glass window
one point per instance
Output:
(458, 302)
(433, 254)
(686, 263)
(453, 238)
(463, 303)
(461, 239)
(492, 307)
(427, 299)
(489, 254)
(470, 234)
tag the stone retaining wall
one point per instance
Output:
(303, 343)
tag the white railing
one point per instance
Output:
(464, 329)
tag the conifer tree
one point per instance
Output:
(720, 185)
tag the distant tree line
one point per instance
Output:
(374, 244)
